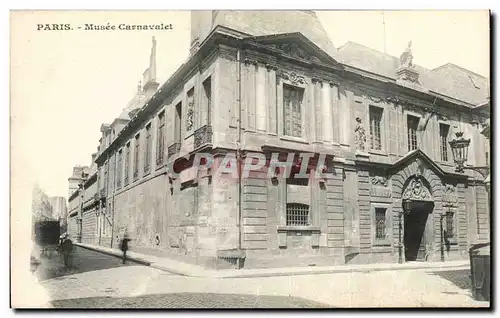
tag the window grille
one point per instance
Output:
(449, 225)
(380, 223)
(297, 214)
(412, 122)
(375, 131)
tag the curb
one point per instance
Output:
(216, 274)
(115, 254)
(334, 271)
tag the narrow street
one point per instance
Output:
(101, 281)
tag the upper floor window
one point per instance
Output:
(127, 163)
(375, 130)
(450, 226)
(292, 104)
(443, 138)
(119, 169)
(412, 123)
(190, 110)
(160, 147)
(136, 156)
(177, 122)
(147, 157)
(105, 175)
(207, 88)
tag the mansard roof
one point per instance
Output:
(449, 79)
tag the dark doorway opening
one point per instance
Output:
(414, 232)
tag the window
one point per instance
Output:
(375, 131)
(136, 157)
(412, 123)
(147, 156)
(297, 214)
(207, 87)
(160, 147)
(292, 103)
(119, 169)
(449, 225)
(443, 137)
(190, 110)
(178, 126)
(380, 224)
(105, 186)
(127, 163)
(487, 158)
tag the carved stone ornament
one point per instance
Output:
(379, 181)
(360, 134)
(450, 194)
(293, 50)
(406, 59)
(416, 190)
(293, 77)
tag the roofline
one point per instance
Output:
(460, 67)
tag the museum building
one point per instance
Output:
(272, 82)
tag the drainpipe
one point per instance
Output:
(238, 158)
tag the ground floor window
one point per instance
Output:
(449, 234)
(380, 223)
(297, 214)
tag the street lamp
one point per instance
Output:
(406, 209)
(459, 148)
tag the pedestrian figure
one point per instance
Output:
(67, 250)
(124, 245)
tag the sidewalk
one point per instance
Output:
(185, 269)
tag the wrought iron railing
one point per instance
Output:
(202, 136)
(174, 149)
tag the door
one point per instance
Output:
(414, 231)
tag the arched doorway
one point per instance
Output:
(418, 204)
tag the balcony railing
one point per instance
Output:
(203, 136)
(174, 149)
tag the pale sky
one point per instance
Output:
(64, 84)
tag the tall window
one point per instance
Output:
(292, 102)
(119, 169)
(380, 224)
(127, 163)
(443, 137)
(190, 110)
(177, 123)
(412, 123)
(449, 225)
(106, 175)
(297, 214)
(375, 131)
(160, 147)
(149, 144)
(207, 87)
(136, 156)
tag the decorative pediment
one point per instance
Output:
(293, 45)
(417, 191)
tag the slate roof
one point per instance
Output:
(258, 23)
(449, 79)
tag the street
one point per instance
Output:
(101, 281)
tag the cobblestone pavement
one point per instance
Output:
(133, 286)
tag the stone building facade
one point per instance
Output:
(382, 124)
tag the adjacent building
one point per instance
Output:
(273, 83)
